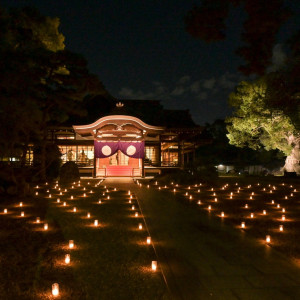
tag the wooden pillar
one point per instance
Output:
(95, 169)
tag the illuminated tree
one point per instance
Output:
(256, 124)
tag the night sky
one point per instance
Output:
(139, 50)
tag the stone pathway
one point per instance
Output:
(202, 258)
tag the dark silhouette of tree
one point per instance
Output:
(207, 22)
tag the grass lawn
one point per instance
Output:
(233, 200)
(110, 261)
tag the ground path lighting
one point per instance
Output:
(5, 211)
(71, 244)
(149, 240)
(46, 226)
(96, 223)
(268, 239)
(154, 265)
(55, 289)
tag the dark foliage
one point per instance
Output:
(69, 172)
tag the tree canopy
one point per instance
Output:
(256, 124)
(41, 83)
(265, 17)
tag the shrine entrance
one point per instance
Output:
(119, 144)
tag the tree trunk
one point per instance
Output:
(292, 162)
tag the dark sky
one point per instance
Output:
(139, 50)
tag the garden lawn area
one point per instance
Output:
(267, 206)
(108, 261)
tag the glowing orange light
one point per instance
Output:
(96, 223)
(154, 265)
(268, 238)
(243, 224)
(71, 244)
(5, 210)
(46, 226)
(38, 220)
(67, 259)
(140, 226)
(149, 240)
(55, 289)
(280, 227)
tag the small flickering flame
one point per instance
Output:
(38, 220)
(252, 215)
(36, 193)
(246, 205)
(65, 203)
(72, 197)
(74, 209)
(243, 224)
(71, 244)
(149, 240)
(140, 226)
(108, 197)
(46, 226)
(21, 204)
(132, 207)
(55, 289)
(154, 265)
(22, 214)
(222, 214)
(88, 215)
(199, 202)
(280, 227)
(268, 238)
(264, 212)
(96, 223)
(50, 196)
(58, 200)
(216, 199)
(67, 259)
(84, 195)
(283, 217)
(209, 207)
(99, 201)
(278, 205)
(283, 210)
(136, 214)
(5, 210)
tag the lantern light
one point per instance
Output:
(88, 215)
(268, 238)
(283, 209)
(209, 207)
(99, 201)
(21, 204)
(283, 217)
(154, 265)
(216, 199)
(222, 214)
(252, 215)
(243, 224)
(149, 240)
(38, 220)
(36, 193)
(264, 212)
(72, 197)
(199, 202)
(132, 207)
(65, 203)
(246, 205)
(74, 209)
(46, 226)
(5, 210)
(136, 214)
(140, 226)
(71, 244)
(96, 223)
(67, 259)
(280, 227)
(22, 214)
(55, 289)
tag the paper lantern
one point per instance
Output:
(21, 204)
(149, 240)
(99, 201)
(84, 195)
(252, 215)
(46, 226)
(71, 244)
(280, 227)
(65, 204)
(136, 214)
(199, 202)
(246, 205)
(108, 197)
(132, 207)
(222, 214)
(22, 214)
(209, 207)
(96, 223)
(88, 215)
(283, 210)
(5, 210)
(243, 225)
(36, 193)
(278, 205)
(38, 220)
(268, 238)
(74, 209)
(55, 289)
(67, 259)
(128, 192)
(283, 217)
(264, 212)
(216, 199)
(140, 226)
(154, 265)
(72, 197)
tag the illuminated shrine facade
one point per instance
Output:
(125, 145)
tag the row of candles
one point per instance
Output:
(55, 286)
(193, 192)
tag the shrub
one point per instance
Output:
(69, 172)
